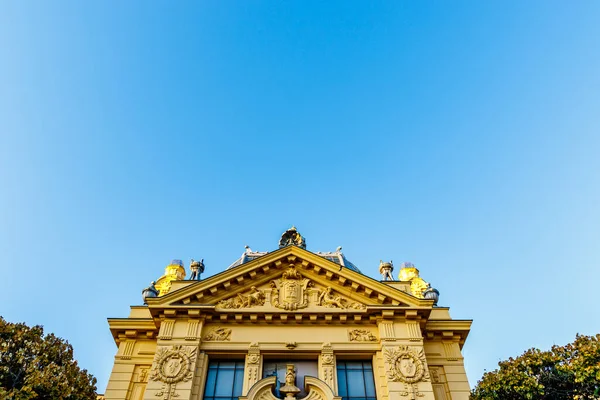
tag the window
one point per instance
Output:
(224, 380)
(355, 380)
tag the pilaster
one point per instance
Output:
(327, 370)
(403, 355)
(253, 368)
(175, 369)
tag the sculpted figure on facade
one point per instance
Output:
(361, 335)
(289, 292)
(219, 335)
(171, 366)
(254, 298)
(329, 299)
(385, 269)
(290, 389)
(197, 268)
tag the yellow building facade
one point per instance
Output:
(289, 324)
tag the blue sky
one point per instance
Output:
(461, 136)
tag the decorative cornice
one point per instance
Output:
(279, 259)
(457, 330)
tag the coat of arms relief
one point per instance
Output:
(292, 291)
(172, 365)
(409, 366)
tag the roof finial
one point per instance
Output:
(292, 237)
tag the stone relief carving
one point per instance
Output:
(327, 359)
(290, 389)
(329, 299)
(254, 298)
(357, 306)
(253, 354)
(407, 365)
(361, 335)
(292, 291)
(219, 335)
(143, 377)
(314, 395)
(289, 292)
(264, 388)
(171, 366)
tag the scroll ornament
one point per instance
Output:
(171, 366)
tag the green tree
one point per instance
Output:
(34, 366)
(564, 372)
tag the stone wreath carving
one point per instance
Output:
(406, 365)
(171, 366)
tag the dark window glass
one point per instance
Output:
(224, 380)
(355, 380)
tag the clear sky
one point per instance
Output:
(461, 136)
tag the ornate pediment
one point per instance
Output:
(289, 279)
(291, 291)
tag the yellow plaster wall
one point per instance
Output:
(385, 321)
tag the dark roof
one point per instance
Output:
(334, 256)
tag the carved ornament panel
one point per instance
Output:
(171, 366)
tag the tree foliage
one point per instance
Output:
(34, 366)
(564, 372)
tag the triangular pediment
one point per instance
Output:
(289, 279)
